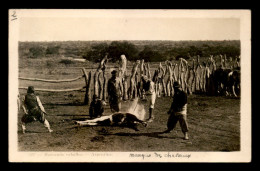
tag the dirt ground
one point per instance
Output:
(214, 122)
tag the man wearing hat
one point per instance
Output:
(33, 109)
(149, 88)
(114, 94)
(178, 111)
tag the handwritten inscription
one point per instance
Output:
(159, 155)
(143, 156)
(140, 155)
(13, 16)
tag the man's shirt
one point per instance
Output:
(113, 88)
(149, 87)
(32, 101)
(179, 102)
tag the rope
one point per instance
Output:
(53, 81)
(57, 90)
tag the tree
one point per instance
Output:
(114, 50)
(96, 53)
(117, 48)
(150, 55)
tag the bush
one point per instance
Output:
(53, 50)
(49, 64)
(66, 61)
(35, 52)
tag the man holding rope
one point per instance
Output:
(33, 109)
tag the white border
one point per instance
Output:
(245, 36)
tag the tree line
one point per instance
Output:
(150, 51)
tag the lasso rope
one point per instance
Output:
(52, 81)
(56, 90)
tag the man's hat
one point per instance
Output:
(114, 72)
(95, 96)
(144, 77)
(176, 84)
(30, 89)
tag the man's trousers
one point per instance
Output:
(174, 118)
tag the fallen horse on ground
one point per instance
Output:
(117, 119)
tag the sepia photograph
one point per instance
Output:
(92, 85)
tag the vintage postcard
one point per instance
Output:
(129, 85)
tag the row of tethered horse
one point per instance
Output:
(214, 76)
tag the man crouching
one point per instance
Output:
(33, 109)
(117, 119)
(96, 108)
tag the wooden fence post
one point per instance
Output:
(104, 97)
(125, 97)
(88, 91)
(96, 84)
(100, 86)
(148, 71)
(86, 100)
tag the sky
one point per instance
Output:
(127, 28)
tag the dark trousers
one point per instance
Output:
(34, 114)
(173, 119)
(114, 103)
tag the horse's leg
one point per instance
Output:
(92, 121)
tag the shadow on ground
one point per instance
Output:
(149, 134)
(66, 104)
